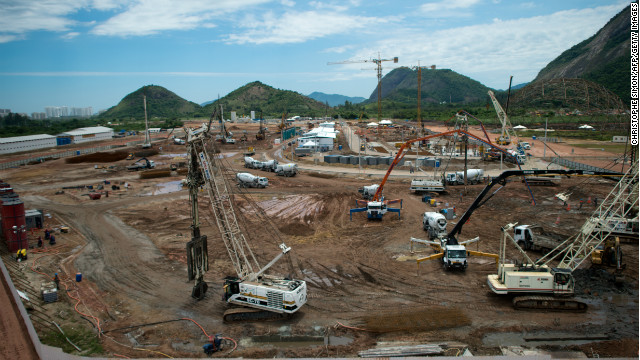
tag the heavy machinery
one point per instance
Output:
(368, 191)
(286, 170)
(376, 207)
(435, 224)
(261, 296)
(261, 131)
(474, 176)
(427, 185)
(452, 253)
(142, 163)
(538, 277)
(507, 135)
(252, 181)
(534, 237)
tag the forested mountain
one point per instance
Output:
(335, 99)
(603, 58)
(161, 103)
(267, 100)
(437, 86)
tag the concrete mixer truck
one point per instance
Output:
(286, 169)
(474, 176)
(435, 224)
(368, 191)
(250, 180)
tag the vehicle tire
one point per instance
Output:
(522, 245)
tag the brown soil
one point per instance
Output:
(363, 282)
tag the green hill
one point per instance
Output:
(437, 86)
(161, 103)
(267, 100)
(603, 58)
(335, 99)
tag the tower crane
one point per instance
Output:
(261, 296)
(378, 63)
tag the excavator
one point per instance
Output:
(260, 296)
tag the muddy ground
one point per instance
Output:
(364, 287)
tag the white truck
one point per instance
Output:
(287, 169)
(452, 254)
(368, 191)
(425, 185)
(270, 165)
(534, 237)
(474, 176)
(250, 180)
(435, 224)
(251, 163)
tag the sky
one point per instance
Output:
(81, 53)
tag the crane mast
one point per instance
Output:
(251, 288)
(505, 137)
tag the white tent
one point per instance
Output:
(585, 126)
(372, 124)
(386, 122)
(519, 127)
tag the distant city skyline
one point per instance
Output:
(93, 53)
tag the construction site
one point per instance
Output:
(168, 251)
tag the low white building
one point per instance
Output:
(26, 143)
(320, 138)
(82, 135)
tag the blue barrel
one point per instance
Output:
(339, 147)
(533, 137)
(78, 277)
(77, 152)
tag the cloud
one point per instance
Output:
(148, 17)
(22, 16)
(447, 8)
(338, 49)
(297, 27)
(520, 47)
(70, 35)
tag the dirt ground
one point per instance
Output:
(364, 287)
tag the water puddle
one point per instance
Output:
(166, 188)
(539, 339)
(279, 341)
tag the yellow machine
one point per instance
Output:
(608, 254)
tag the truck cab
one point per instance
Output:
(455, 257)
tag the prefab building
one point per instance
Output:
(26, 143)
(83, 135)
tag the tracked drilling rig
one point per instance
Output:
(260, 296)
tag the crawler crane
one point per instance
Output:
(539, 277)
(261, 296)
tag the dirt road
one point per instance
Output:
(359, 273)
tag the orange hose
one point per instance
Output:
(351, 327)
(235, 344)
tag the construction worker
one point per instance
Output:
(47, 234)
(52, 240)
(21, 255)
(39, 241)
(57, 280)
